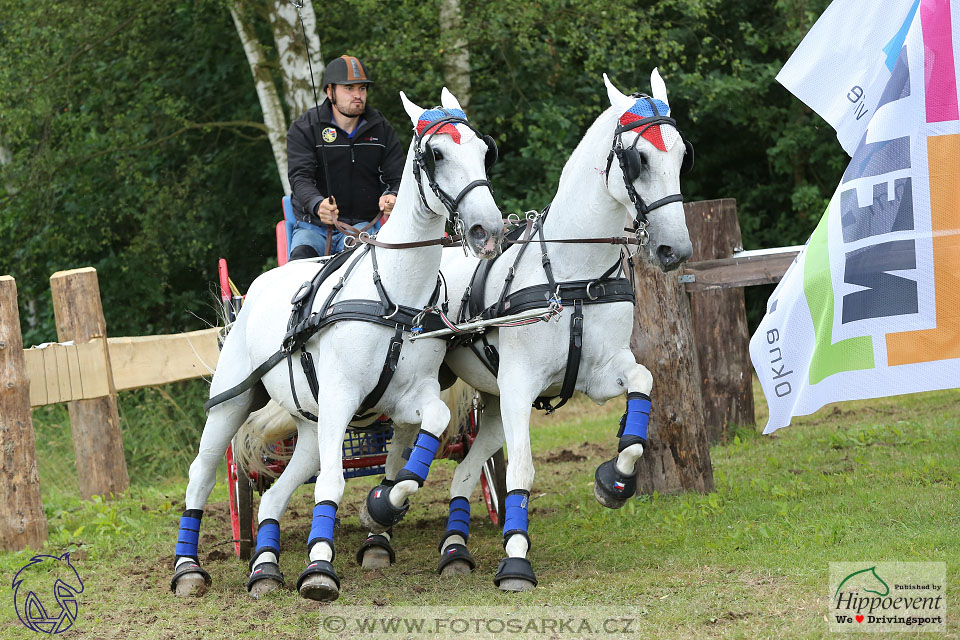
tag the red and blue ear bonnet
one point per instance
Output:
(660, 136)
(431, 115)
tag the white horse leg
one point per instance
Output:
(265, 575)
(616, 479)
(376, 552)
(319, 581)
(455, 559)
(386, 505)
(515, 572)
(222, 424)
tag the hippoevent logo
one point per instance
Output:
(886, 597)
(46, 594)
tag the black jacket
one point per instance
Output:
(361, 168)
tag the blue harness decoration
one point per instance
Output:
(324, 519)
(633, 424)
(419, 458)
(189, 535)
(515, 515)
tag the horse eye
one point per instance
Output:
(644, 160)
(436, 154)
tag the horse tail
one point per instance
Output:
(259, 440)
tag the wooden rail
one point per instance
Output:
(742, 269)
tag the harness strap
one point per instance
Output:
(573, 362)
(386, 373)
(247, 383)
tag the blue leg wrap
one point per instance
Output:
(268, 537)
(515, 519)
(189, 534)
(633, 424)
(459, 519)
(324, 519)
(419, 458)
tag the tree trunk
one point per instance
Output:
(720, 323)
(298, 89)
(456, 57)
(22, 521)
(266, 90)
(677, 456)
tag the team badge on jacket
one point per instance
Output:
(329, 134)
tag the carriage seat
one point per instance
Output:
(284, 231)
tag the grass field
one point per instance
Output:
(862, 481)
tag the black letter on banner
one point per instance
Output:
(887, 295)
(883, 216)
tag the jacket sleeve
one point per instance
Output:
(393, 160)
(302, 164)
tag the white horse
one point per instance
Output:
(448, 155)
(593, 201)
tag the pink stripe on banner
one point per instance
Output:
(940, 76)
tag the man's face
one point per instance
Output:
(349, 99)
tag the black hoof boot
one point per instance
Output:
(190, 580)
(264, 579)
(376, 553)
(377, 514)
(319, 582)
(455, 560)
(611, 488)
(515, 574)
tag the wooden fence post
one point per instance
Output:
(22, 521)
(678, 455)
(720, 323)
(95, 423)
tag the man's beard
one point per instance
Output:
(348, 108)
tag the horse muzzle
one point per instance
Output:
(671, 257)
(482, 242)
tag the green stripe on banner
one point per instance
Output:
(828, 358)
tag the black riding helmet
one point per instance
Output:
(345, 70)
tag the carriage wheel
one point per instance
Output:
(493, 482)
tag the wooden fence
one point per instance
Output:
(86, 368)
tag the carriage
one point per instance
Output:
(364, 451)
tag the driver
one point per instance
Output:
(354, 146)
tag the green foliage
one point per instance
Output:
(138, 146)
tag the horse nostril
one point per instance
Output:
(478, 235)
(666, 254)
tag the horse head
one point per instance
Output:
(644, 167)
(452, 158)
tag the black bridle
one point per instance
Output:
(428, 164)
(631, 164)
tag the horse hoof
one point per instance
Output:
(456, 568)
(375, 558)
(320, 588)
(605, 498)
(263, 587)
(191, 584)
(515, 584)
(377, 513)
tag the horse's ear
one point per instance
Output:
(618, 101)
(658, 87)
(449, 101)
(412, 110)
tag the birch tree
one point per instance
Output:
(456, 59)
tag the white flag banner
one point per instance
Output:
(871, 306)
(843, 64)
